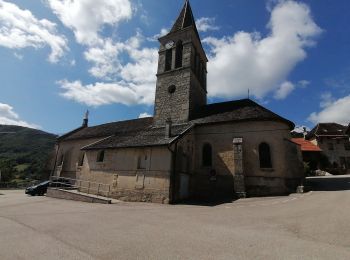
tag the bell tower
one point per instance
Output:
(182, 72)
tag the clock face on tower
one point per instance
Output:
(169, 45)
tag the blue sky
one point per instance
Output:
(60, 58)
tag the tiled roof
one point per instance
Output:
(153, 136)
(140, 132)
(306, 146)
(239, 110)
(109, 129)
(327, 129)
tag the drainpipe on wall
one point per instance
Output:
(172, 174)
(168, 125)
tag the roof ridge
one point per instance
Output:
(121, 121)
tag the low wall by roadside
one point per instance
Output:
(71, 195)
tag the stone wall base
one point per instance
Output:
(160, 197)
(267, 186)
(219, 188)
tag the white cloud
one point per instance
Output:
(126, 85)
(21, 29)
(333, 110)
(327, 99)
(284, 90)
(104, 59)
(303, 83)
(143, 115)
(18, 56)
(248, 61)
(102, 93)
(87, 18)
(129, 69)
(154, 38)
(205, 24)
(9, 117)
(142, 67)
(133, 82)
(301, 129)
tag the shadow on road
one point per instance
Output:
(206, 203)
(333, 183)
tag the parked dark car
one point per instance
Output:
(41, 188)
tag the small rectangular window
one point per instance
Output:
(142, 162)
(100, 156)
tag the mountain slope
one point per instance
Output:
(24, 152)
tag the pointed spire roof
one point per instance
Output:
(185, 19)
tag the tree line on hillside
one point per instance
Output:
(24, 153)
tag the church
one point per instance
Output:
(189, 149)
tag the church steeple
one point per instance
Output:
(185, 19)
(182, 72)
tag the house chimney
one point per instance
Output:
(86, 119)
(168, 125)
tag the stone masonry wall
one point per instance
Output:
(257, 181)
(126, 180)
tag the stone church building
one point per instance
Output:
(189, 149)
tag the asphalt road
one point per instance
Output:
(314, 225)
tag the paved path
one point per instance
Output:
(314, 225)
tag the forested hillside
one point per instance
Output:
(24, 153)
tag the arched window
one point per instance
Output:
(265, 156)
(207, 157)
(179, 54)
(101, 156)
(168, 59)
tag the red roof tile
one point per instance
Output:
(306, 146)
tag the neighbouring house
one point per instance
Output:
(333, 139)
(312, 154)
(188, 149)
